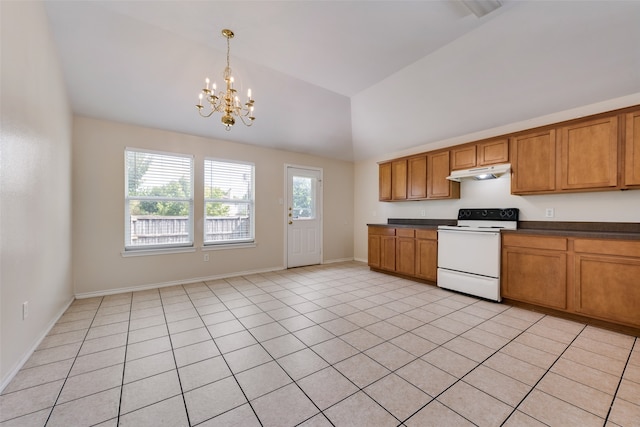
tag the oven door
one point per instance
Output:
(473, 252)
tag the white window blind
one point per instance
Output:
(158, 200)
(229, 202)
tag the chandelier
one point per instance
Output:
(226, 102)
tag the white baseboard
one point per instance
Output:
(16, 368)
(148, 286)
(361, 260)
(333, 261)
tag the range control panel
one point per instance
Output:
(508, 214)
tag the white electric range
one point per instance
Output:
(469, 252)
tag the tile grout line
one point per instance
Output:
(293, 381)
(615, 394)
(477, 363)
(173, 355)
(515, 408)
(221, 355)
(124, 362)
(74, 361)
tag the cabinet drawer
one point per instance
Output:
(427, 234)
(535, 242)
(405, 232)
(382, 231)
(608, 247)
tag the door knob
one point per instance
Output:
(290, 222)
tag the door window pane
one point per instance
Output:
(304, 197)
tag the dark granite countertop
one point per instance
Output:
(597, 230)
(415, 223)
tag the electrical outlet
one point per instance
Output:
(423, 212)
(549, 213)
(25, 310)
(205, 257)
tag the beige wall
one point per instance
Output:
(35, 184)
(98, 205)
(608, 206)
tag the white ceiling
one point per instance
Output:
(144, 62)
(349, 80)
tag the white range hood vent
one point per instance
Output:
(478, 174)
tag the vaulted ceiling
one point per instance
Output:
(310, 65)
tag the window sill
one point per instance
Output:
(228, 246)
(150, 252)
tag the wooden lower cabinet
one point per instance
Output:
(536, 276)
(426, 258)
(607, 277)
(381, 250)
(388, 253)
(407, 251)
(596, 278)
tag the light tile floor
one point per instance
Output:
(325, 345)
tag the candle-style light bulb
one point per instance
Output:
(249, 93)
(200, 99)
(207, 82)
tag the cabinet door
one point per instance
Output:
(589, 154)
(388, 253)
(608, 287)
(463, 158)
(535, 276)
(427, 259)
(405, 255)
(384, 181)
(374, 251)
(493, 152)
(438, 186)
(417, 177)
(632, 149)
(533, 160)
(399, 179)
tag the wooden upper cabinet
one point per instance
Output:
(399, 179)
(463, 157)
(632, 150)
(589, 154)
(533, 161)
(384, 181)
(417, 177)
(493, 152)
(486, 153)
(438, 169)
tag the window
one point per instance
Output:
(159, 200)
(228, 202)
(304, 195)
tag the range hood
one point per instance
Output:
(477, 174)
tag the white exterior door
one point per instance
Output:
(304, 216)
